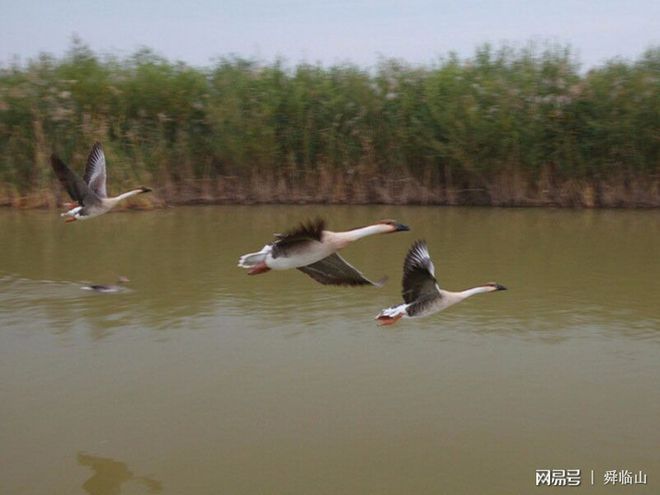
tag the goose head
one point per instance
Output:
(494, 286)
(390, 226)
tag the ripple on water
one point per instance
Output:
(58, 305)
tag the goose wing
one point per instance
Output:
(297, 239)
(94, 175)
(423, 306)
(74, 185)
(419, 282)
(335, 270)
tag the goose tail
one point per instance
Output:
(252, 260)
(389, 316)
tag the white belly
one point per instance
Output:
(316, 252)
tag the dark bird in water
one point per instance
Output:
(108, 289)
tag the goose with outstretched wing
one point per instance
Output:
(422, 296)
(89, 193)
(313, 250)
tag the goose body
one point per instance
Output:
(421, 294)
(313, 250)
(89, 193)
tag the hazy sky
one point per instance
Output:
(326, 31)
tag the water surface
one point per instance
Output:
(200, 379)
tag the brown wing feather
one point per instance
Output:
(298, 237)
(334, 270)
(419, 280)
(73, 184)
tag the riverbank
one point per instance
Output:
(340, 188)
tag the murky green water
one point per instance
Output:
(201, 380)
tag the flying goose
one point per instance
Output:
(313, 250)
(421, 294)
(89, 192)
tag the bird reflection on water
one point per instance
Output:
(109, 475)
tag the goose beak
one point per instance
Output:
(399, 227)
(500, 287)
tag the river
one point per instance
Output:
(197, 378)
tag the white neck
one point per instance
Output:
(355, 234)
(128, 194)
(475, 290)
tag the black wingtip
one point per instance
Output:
(414, 256)
(418, 244)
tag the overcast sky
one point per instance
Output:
(326, 31)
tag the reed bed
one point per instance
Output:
(507, 126)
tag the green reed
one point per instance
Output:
(462, 123)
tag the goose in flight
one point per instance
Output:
(313, 250)
(421, 294)
(89, 192)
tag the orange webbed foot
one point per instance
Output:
(388, 320)
(257, 269)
